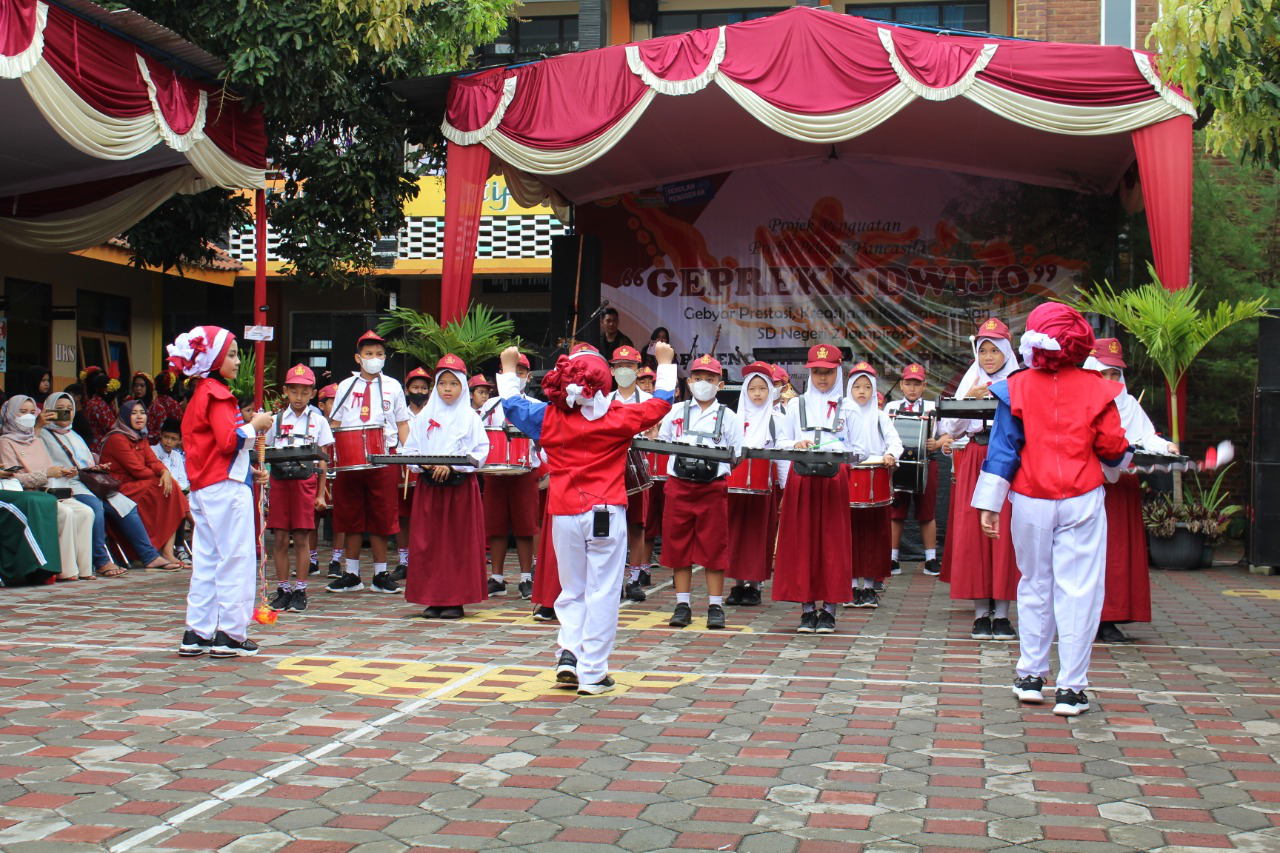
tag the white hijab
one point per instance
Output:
(868, 414)
(818, 411)
(756, 419)
(441, 429)
(975, 373)
(1137, 426)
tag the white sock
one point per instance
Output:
(682, 597)
(982, 608)
(893, 554)
(337, 554)
(495, 578)
(715, 599)
(379, 568)
(526, 576)
(633, 573)
(830, 608)
(287, 586)
(314, 555)
(929, 554)
(1001, 610)
(404, 555)
(300, 585)
(353, 567)
(807, 607)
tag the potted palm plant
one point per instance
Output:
(1174, 330)
(480, 335)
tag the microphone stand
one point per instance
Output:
(595, 315)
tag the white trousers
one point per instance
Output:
(224, 569)
(75, 538)
(590, 581)
(1061, 548)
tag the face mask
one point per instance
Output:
(418, 399)
(703, 390)
(626, 376)
(27, 421)
(524, 382)
(372, 365)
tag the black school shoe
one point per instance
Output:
(347, 583)
(604, 685)
(382, 582)
(567, 668)
(715, 617)
(736, 596)
(870, 599)
(752, 597)
(313, 568)
(634, 592)
(646, 579)
(1029, 688)
(1109, 632)
(193, 645)
(497, 587)
(981, 628)
(826, 622)
(682, 616)
(298, 601)
(545, 614)
(1002, 630)
(451, 613)
(335, 569)
(808, 623)
(400, 572)
(894, 568)
(281, 599)
(933, 567)
(526, 590)
(225, 647)
(1070, 703)
(856, 600)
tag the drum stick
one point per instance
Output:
(405, 493)
(1141, 394)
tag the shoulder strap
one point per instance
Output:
(343, 398)
(773, 428)
(70, 456)
(719, 428)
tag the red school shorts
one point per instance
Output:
(365, 501)
(926, 502)
(292, 504)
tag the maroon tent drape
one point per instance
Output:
(466, 170)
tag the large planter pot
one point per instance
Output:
(1182, 550)
(1206, 558)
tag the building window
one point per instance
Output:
(103, 329)
(950, 16)
(674, 23)
(1117, 22)
(532, 38)
(25, 309)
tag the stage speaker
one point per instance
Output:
(1264, 528)
(1269, 351)
(575, 283)
(1264, 475)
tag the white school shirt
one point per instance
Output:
(849, 438)
(311, 423)
(685, 417)
(176, 462)
(394, 408)
(919, 407)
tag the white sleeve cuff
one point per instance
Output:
(667, 378)
(508, 385)
(247, 431)
(990, 492)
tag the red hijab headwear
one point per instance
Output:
(586, 371)
(1056, 335)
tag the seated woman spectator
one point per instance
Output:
(99, 409)
(141, 388)
(164, 407)
(35, 382)
(69, 450)
(660, 334)
(79, 423)
(144, 479)
(19, 448)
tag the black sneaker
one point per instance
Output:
(646, 579)
(715, 617)
(933, 567)
(1002, 630)
(382, 582)
(313, 568)
(1029, 688)
(193, 645)
(856, 601)
(335, 569)
(682, 616)
(526, 590)
(894, 568)
(634, 592)
(567, 668)
(808, 623)
(736, 595)
(1070, 703)
(497, 587)
(878, 587)
(298, 601)
(225, 647)
(826, 622)
(870, 598)
(347, 583)
(981, 628)
(1109, 632)
(451, 613)
(400, 572)
(604, 685)
(281, 599)
(544, 614)
(751, 597)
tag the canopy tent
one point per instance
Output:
(809, 84)
(99, 131)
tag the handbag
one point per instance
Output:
(100, 484)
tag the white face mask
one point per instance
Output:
(703, 390)
(372, 365)
(626, 376)
(27, 421)
(524, 382)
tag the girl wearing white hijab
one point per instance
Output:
(753, 519)
(446, 539)
(872, 527)
(1128, 583)
(979, 569)
(814, 526)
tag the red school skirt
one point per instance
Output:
(976, 567)
(814, 556)
(753, 531)
(446, 546)
(1128, 595)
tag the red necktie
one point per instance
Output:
(364, 401)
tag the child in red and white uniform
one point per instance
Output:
(696, 517)
(417, 391)
(364, 501)
(625, 366)
(753, 519)
(871, 527)
(979, 569)
(1128, 585)
(654, 504)
(224, 569)
(510, 504)
(294, 501)
(813, 531)
(926, 502)
(481, 391)
(1054, 424)
(586, 438)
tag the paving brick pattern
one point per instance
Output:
(362, 727)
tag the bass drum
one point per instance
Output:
(637, 472)
(912, 473)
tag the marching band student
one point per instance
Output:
(324, 403)
(417, 391)
(481, 391)
(1128, 582)
(782, 384)
(645, 379)
(696, 516)
(980, 569)
(753, 519)
(511, 505)
(871, 527)
(1054, 424)
(926, 502)
(586, 440)
(446, 559)
(297, 490)
(654, 497)
(224, 565)
(364, 501)
(814, 530)
(625, 366)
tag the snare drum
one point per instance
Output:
(637, 474)
(352, 447)
(509, 453)
(751, 477)
(870, 486)
(659, 466)
(912, 473)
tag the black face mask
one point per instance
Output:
(418, 400)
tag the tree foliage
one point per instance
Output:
(338, 135)
(479, 336)
(1225, 54)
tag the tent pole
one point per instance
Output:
(259, 289)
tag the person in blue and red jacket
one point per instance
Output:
(586, 438)
(223, 559)
(1054, 423)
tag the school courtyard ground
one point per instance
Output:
(359, 727)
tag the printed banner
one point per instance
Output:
(892, 263)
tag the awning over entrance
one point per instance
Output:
(98, 132)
